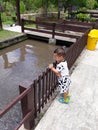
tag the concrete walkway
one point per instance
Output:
(82, 111)
(13, 28)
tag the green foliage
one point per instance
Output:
(83, 17)
(90, 4)
(38, 3)
(82, 9)
(33, 6)
(79, 3)
(96, 5)
(52, 8)
(6, 17)
(92, 20)
(22, 7)
(8, 7)
(33, 9)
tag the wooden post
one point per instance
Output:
(0, 17)
(27, 104)
(36, 22)
(0, 22)
(18, 12)
(22, 25)
(53, 31)
(53, 40)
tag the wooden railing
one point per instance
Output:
(93, 13)
(56, 29)
(60, 21)
(74, 51)
(33, 97)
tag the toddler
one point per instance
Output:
(62, 73)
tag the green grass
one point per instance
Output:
(31, 25)
(4, 34)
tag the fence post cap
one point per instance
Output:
(25, 83)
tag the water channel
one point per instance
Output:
(23, 61)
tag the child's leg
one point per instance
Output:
(65, 95)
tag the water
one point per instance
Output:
(23, 61)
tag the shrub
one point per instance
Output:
(83, 17)
(22, 7)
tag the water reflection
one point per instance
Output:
(13, 55)
(23, 61)
(10, 62)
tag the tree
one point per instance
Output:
(90, 4)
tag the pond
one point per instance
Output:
(21, 62)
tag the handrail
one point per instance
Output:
(24, 119)
(9, 106)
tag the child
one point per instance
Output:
(62, 73)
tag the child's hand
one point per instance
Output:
(50, 66)
(54, 70)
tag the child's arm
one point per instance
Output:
(54, 70)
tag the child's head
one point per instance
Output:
(59, 54)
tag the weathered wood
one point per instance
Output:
(18, 12)
(27, 104)
(56, 29)
(0, 21)
(43, 88)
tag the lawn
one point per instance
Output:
(4, 34)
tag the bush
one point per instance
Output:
(90, 4)
(92, 20)
(83, 17)
(7, 19)
(22, 7)
(82, 9)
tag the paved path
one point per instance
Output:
(82, 111)
(13, 28)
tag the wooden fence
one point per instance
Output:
(41, 91)
(65, 22)
(34, 96)
(57, 29)
(93, 13)
(74, 51)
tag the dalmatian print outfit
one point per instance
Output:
(63, 81)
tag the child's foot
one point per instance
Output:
(61, 100)
(68, 96)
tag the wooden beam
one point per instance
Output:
(0, 22)
(0, 17)
(18, 11)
